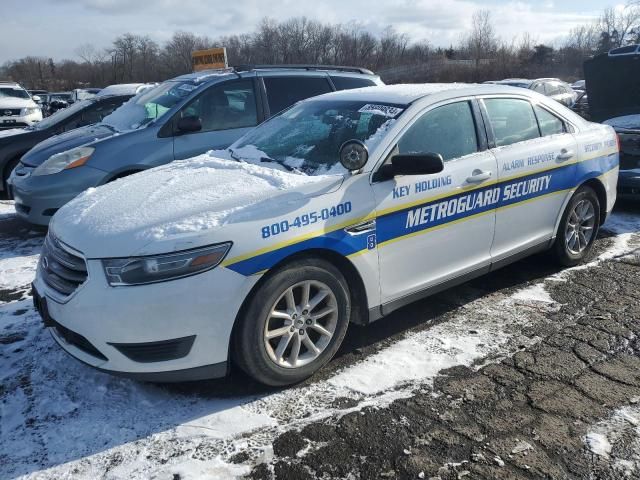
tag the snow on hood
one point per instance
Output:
(177, 204)
(13, 102)
(631, 122)
(12, 131)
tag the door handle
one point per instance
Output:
(565, 155)
(479, 176)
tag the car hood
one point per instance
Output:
(13, 102)
(66, 141)
(184, 204)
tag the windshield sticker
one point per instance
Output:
(384, 110)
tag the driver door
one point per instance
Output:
(226, 111)
(432, 229)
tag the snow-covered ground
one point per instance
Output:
(60, 419)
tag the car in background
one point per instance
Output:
(38, 96)
(579, 85)
(180, 118)
(57, 101)
(581, 105)
(17, 108)
(342, 209)
(83, 94)
(125, 89)
(614, 99)
(16, 142)
(549, 87)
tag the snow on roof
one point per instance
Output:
(629, 122)
(124, 89)
(404, 94)
(204, 75)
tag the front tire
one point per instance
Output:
(578, 228)
(294, 323)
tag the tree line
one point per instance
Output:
(479, 55)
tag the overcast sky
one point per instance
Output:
(56, 27)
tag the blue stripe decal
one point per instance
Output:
(417, 218)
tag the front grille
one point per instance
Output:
(156, 351)
(62, 270)
(9, 112)
(5, 126)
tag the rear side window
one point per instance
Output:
(512, 120)
(347, 83)
(448, 130)
(549, 123)
(282, 92)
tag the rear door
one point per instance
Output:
(226, 111)
(283, 91)
(435, 228)
(536, 156)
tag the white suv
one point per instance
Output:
(17, 108)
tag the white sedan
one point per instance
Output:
(341, 209)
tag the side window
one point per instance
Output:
(512, 120)
(448, 130)
(346, 83)
(553, 89)
(282, 92)
(225, 107)
(548, 122)
(97, 112)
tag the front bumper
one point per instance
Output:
(19, 121)
(629, 183)
(38, 198)
(96, 321)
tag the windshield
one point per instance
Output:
(149, 105)
(61, 115)
(13, 92)
(307, 137)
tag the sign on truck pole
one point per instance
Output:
(210, 58)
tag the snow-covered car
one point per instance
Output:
(343, 208)
(17, 108)
(125, 89)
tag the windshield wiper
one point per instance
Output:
(271, 160)
(233, 155)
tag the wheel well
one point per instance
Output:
(6, 170)
(359, 310)
(601, 193)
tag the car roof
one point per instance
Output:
(10, 84)
(293, 70)
(405, 94)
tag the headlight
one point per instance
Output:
(160, 268)
(29, 111)
(73, 158)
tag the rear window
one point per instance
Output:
(282, 92)
(347, 83)
(512, 120)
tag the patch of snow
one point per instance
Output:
(631, 122)
(12, 131)
(535, 293)
(179, 198)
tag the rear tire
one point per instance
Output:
(578, 228)
(294, 323)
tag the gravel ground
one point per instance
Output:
(529, 372)
(526, 416)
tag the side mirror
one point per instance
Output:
(189, 124)
(353, 155)
(411, 164)
(36, 98)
